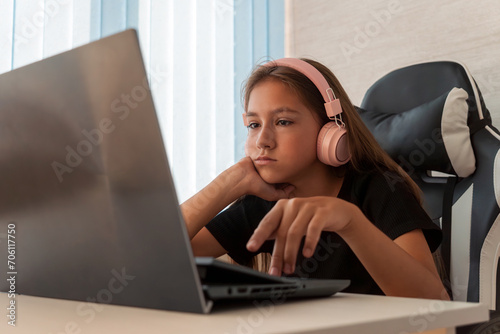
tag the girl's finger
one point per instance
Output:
(276, 265)
(295, 233)
(267, 227)
(313, 234)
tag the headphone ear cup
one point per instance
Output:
(332, 145)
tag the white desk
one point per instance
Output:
(341, 314)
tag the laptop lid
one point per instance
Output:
(85, 187)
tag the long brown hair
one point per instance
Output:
(366, 154)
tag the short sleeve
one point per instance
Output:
(234, 226)
(388, 203)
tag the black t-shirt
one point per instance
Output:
(383, 198)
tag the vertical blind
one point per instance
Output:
(197, 54)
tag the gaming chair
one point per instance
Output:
(432, 120)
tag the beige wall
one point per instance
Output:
(361, 40)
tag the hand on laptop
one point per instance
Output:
(290, 220)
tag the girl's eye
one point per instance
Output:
(253, 125)
(283, 122)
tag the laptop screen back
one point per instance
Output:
(85, 181)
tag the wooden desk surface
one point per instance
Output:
(344, 313)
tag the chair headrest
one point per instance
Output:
(422, 116)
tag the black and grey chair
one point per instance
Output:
(432, 120)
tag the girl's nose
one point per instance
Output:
(265, 139)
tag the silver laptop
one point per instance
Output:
(88, 209)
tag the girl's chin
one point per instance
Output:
(273, 179)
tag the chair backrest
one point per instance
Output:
(432, 120)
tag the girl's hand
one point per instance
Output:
(290, 220)
(253, 184)
(236, 181)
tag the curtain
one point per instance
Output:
(197, 54)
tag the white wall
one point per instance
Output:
(361, 40)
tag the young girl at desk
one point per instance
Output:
(316, 192)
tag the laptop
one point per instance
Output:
(88, 208)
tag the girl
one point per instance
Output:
(357, 217)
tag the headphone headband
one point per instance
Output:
(332, 104)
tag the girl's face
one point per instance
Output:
(282, 133)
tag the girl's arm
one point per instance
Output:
(236, 181)
(403, 267)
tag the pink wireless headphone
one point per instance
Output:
(332, 145)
